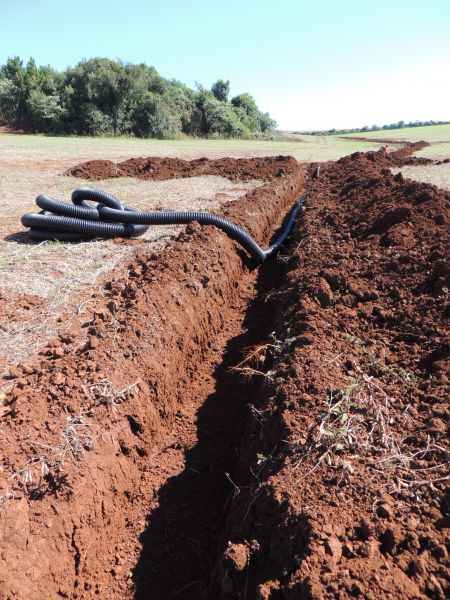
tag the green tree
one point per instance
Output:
(181, 101)
(50, 81)
(44, 111)
(8, 101)
(94, 121)
(103, 84)
(153, 118)
(31, 76)
(220, 119)
(266, 123)
(106, 97)
(221, 90)
(252, 118)
(16, 92)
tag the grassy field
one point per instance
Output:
(74, 149)
(438, 175)
(437, 151)
(431, 133)
(438, 136)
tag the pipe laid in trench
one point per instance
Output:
(110, 218)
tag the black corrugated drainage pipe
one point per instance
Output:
(110, 218)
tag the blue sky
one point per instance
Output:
(341, 63)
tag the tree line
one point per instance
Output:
(100, 96)
(397, 125)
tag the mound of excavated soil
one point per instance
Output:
(219, 431)
(173, 168)
(344, 464)
(97, 433)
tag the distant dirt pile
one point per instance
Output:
(172, 168)
(403, 156)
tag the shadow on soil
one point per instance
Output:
(181, 543)
(21, 237)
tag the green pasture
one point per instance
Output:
(438, 136)
(75, 149)
(430, 133)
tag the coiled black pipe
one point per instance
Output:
(110, 218)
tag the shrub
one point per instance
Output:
(221, 119)
(153, 118)
(45, 112)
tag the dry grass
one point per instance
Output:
(56, 273)
(104, 392)
(251, 365)
(257, 356)
(4, 498)
(357, 429)
(354, 419)
(438, 175)
(46, 470)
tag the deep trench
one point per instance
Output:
(182, 539)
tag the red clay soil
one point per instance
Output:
(403, 157)
(400, 157)
(175, 168)
(90, 465)
(344, 465)
(10, 129)
(286, 436)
